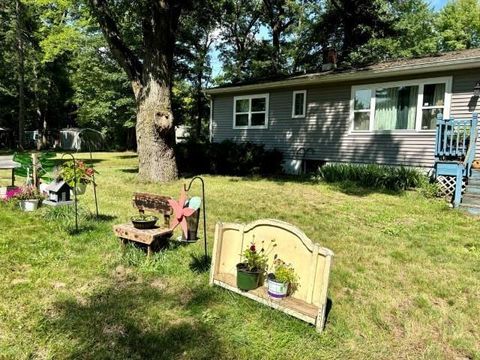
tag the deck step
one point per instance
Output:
(472, 189)
(473, 195)
(475, 175)
(470, 203)
(474, 182)
(471, 210)
(471, 198)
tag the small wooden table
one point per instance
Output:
(149, 237)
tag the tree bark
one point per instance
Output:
(21, 74)
(151, 80)
(155, 134)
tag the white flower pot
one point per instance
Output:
(277, 290)
(80, 189)
(29, 205)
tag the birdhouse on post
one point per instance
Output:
(58, 193)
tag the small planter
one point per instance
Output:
(80, 189)
(276, 289)
(29, 205)
(147, 222)
(247, 280)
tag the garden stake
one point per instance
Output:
(94, 184)
(187, 188)
(74, 187)
(91, 163)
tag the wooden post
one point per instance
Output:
(458, 187)
(35, 169)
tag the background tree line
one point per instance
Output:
(58, 66)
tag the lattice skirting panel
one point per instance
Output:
(447, 186)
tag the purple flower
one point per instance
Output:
(12, 193)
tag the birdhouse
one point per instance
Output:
(58, 192)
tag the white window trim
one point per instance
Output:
(304, 107)
(447, 80)
(250, 112)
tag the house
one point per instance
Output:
(384, 113)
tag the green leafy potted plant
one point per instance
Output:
(251, 269)
(28, 198)
(78, 171)
(282, 281)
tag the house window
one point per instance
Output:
(363, 99)
(299, 104)
(250, 111)
(409, 105)
(433, 103)
(395, 108)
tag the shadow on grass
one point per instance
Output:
(130, 170)
(127, 157)
(100, 217)
(200, 263)
(132, 321)
(353, 189)
(327, 311)
(346, 187)
(82, 228)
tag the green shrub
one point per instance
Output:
(374, 176)
(228, 158)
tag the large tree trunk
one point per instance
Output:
(151, 79)
(155, 134)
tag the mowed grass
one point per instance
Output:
(405, 282)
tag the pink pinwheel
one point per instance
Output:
(181, 212)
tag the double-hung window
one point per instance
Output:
(433, 103)
(250, 111)
(299, 104)
(408, 105)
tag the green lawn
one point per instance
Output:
(405, 281)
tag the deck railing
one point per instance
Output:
(456, 139)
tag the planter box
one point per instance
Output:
(311, 263)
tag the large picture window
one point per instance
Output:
(409, 105)
(250, 111)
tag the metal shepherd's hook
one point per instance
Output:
(187, 188)
(74, 187)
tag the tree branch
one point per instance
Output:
(122, 53)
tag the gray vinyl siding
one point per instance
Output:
(326, 126)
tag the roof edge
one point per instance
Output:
(319, 78)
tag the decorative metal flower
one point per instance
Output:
(181, 213)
